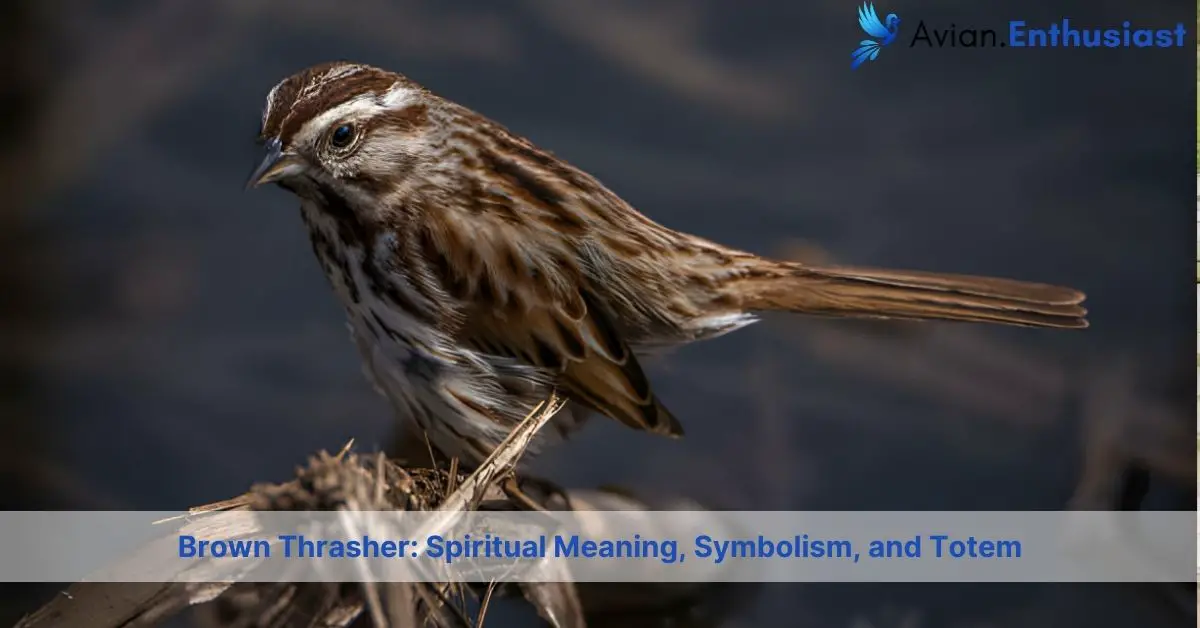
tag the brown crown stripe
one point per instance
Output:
(298, 110)
(280, 105)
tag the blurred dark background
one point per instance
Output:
(167, 338)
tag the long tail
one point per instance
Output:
(882, 293)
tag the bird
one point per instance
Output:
(481, 274)
(868, 20)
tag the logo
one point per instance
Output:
(868, 19)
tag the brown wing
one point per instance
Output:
(526, 298)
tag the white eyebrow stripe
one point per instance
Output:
(357, 108)
(396, 95)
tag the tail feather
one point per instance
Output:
(914, 295)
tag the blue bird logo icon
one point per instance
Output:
(885, 31)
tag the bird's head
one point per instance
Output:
(353, 128)
(892, 22)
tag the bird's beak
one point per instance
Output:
(275, 166)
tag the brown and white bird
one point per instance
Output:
(480, 272)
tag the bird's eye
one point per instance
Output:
(342, 136)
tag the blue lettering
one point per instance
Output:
(434, 547)
(190, 547)
(1016, 33)
(187, 546)
(288, 539)
(1063, 35)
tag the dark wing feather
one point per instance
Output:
(532, 303)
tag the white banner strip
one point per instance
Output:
(699, 546)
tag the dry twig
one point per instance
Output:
(343, 482)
